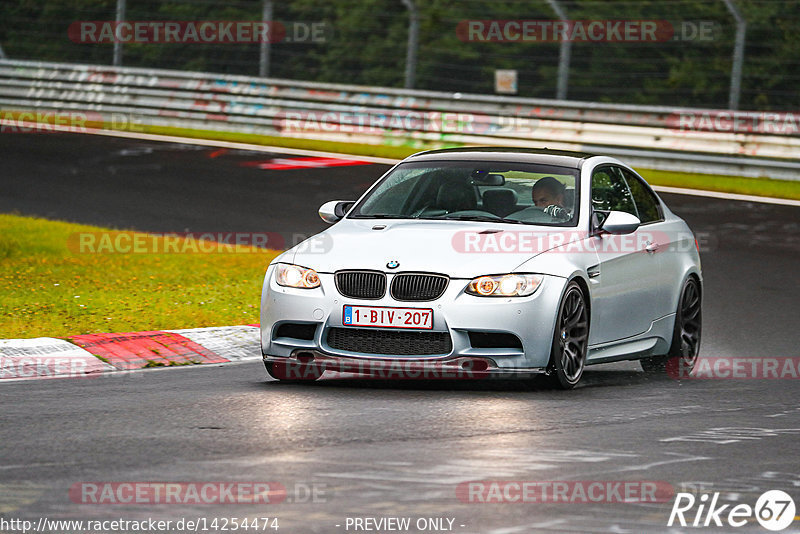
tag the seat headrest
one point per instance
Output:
(569, 199)
(500, 201)
(456, 197)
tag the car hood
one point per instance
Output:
(429, 246)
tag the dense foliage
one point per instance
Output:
(366, 44)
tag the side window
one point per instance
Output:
(610, 193)
(646, 202)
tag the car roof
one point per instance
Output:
(560, 158)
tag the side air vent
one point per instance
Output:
(304, 331)
(494, 340)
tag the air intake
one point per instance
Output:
(418, 286)
(389, 342)
(361, 284)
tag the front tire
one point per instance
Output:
(686, 334)
(570, 339)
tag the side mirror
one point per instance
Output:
(332, 211)
(619, 223)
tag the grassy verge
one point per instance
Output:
(763, 187)
(48, 287)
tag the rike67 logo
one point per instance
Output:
(774, 510)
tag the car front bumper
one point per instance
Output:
(457, 314)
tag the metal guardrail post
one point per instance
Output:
(564, 54)
(263, 60)
(117, 43)
(2, 53)
(413, 43)
(738, 55)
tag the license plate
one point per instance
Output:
(386, 317)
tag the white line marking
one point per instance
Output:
(239, 146)
(28, 466)
(726, 196)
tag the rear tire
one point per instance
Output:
(293, 372)
(570, 339)
(686, 334)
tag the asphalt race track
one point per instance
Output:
(381, 449)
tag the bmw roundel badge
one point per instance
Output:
(394, 264)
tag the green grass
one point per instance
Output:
(763, 187)
(49, 288)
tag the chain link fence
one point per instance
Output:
(710, 53)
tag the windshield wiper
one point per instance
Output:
(480, 218)
(381, 216)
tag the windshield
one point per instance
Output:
(502, 191)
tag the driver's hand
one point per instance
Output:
(556, 211)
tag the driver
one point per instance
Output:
(548, 194)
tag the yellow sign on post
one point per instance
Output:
(505, 81)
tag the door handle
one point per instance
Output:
(651, 247)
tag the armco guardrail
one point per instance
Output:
(717, 141)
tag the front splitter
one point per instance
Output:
(303, 361)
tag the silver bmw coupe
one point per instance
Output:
(482, 262)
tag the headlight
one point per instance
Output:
(296, 276)
(505, 285)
